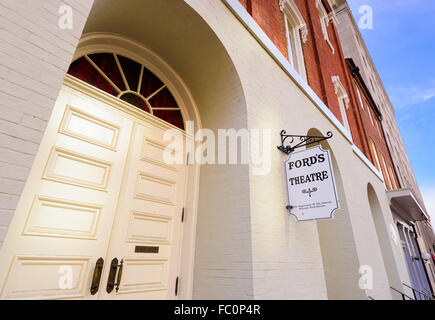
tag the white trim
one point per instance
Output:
(296, 30)
(370, 115)
(289, 37)
(359, 97)
(109, 42)
(251, 25)
(378, 128)
(324, 22)
(290, 9)
(404, 224)
(343, 100)
(245, 18)
(332, 3)
(386, 172)
(330, 45)
(96, 42)
(367, 162)
(333, 18)
(375, 154)
(324, 19)
(343, 106)
(100, 95)
(340, 90)
(403, 193)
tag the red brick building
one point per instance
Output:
(373, 133)
(335, 80)
(87, 191)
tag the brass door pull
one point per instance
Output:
(97, 276)
(112, 274)
(118, 279)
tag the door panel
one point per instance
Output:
(61, 224)
(98, 188)
(146, 235)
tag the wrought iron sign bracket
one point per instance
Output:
(303, 141)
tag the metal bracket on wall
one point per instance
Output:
(303, 141)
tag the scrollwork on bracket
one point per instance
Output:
(303, 141)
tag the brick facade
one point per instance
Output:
(371, 118)
(269, 17)
(247, 246)
(322, 63)
(355, 48)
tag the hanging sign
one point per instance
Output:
(312, 193)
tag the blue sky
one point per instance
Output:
(402, 46)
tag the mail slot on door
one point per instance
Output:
(146, 249)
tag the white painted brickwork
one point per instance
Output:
(285, 259)
(34, 56)
(255, 251)
(247, 245)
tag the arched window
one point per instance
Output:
(129, 81)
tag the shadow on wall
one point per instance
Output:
(382, 232)
(337, 243)
(179, 35)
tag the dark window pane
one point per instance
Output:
(83, 70)
(150, 83)
(172, 116)
(135, 101)
(131, 71)
(106, 62)
(163, 99)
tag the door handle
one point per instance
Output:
(118, 279)
(97, 276)
(112, 275)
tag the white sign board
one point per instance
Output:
(311, 187)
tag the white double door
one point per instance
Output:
(99, 188)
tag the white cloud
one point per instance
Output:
(402, 97)
(429, 200)
(428, 96)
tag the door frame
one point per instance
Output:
(112, 43)
(94, 42)
(109, 42)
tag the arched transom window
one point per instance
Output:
(129, 81)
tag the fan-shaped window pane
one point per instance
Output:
(150, 83)
(82, 69)
(106, 62)
(172, 116)
(135, 101)
(163, 99)
(96, 68)
(131, 71)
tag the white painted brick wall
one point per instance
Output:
(34, 57)
(253, 249)
(286, 256)
(247, 244)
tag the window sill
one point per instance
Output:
(251, 25)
